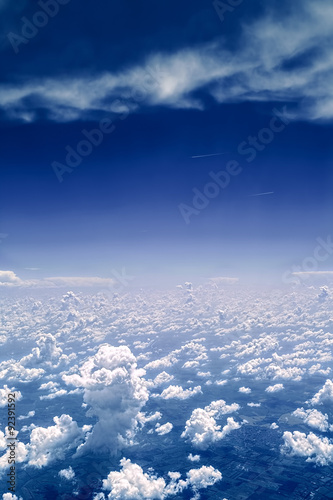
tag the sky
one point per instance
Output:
(166, 98)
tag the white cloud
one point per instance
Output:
(131, 483)
(274, 61)
(316, 449)
(52, 395)
(162, 378)
(274, 425)
(177, 392)
(274, 388)
(163, 429)
(29, 415)
(163, 362)
(115, 390)
(245, 390)
(12, 370)
(67, 474)
(219, 408)
(10, 496)
(193, 458)
(51, 443)
(46, 353)
(143, 418)
(203, 477)
(220, 382)
(191, 364)
(324, 394)
(314, 419)
(202, 429)
(10, 279)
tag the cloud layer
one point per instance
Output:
(278, 58)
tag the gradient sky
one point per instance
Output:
(176, 81)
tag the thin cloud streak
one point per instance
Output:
(205, 156)
(262, 194)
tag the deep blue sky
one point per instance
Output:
(217, 84)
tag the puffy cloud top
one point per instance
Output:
(316, 449)
(202, 429)
(115, 390)
(131, 483)
(51, 443)
(324, 394)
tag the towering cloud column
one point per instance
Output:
(116, 391)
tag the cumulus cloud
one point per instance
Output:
(274, 388)
(162, 363)
(316, 449)
(163, 429)
(245, 390)
(191, 364)
(115, 390)
(220, 382)
(52, 395)
(81, 319)
(162, 378)
(314, 419)
(177, 392)
(9, 278)
(12, 370)
(51, 443)
(202, 429)
(203, 477)
(193, 458)
(143, 418)
(46, 353)
(67, 474)
(324, 394)
(131, 483)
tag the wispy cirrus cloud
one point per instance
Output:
(278, 58)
